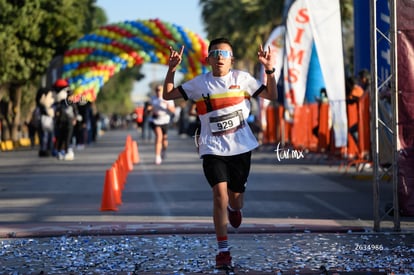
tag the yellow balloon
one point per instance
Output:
(105, 32)
(161, 57)
(197, 47)
(157, 32)
(113, 49)
(109, 48)
(77, 58)
(78, 90)
(111, 35)
(124, 56)
(149, 24)
(158, 54)
(106, 76)
(76, 73)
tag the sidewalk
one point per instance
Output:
(127, 243)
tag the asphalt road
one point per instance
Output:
(300, 214)
(43, 190)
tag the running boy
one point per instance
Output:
(222, 99)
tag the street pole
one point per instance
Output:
(394, 103)
(374, 116)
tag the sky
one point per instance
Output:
(185, 13)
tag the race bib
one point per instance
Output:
(228, 123)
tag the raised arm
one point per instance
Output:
(266, 58)
(170, 92)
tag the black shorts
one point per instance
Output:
(164, 127)
(232, 169)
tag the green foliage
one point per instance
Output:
(247, 24)
(33, 32)
(98, 18)
(20, 37)
(66, 21)
(28, 101)
(347, 15)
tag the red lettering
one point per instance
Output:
(296, 53)
(302, 16)
(293, 56)
(293, 75)
(299, 35)
(290, 96)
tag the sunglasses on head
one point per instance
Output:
(223, 53)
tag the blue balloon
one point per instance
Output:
(184, 37)
(140, 26)
(153, 57)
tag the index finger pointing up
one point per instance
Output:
(181, 50)
(175, 53)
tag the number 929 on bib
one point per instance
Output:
(228, 123)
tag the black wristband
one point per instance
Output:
(270, 71)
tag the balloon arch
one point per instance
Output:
(96, 57)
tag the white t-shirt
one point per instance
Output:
(223, 105)
(160, 113)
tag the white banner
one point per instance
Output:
(326, 28)
(318, 21)
(298, 48)
(276, 42)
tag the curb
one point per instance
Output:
(158, 228)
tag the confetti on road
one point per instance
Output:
(189, 254)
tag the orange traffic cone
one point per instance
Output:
(135, 153)
(118, 174)
(122, 169)
(128, 142)
(116, 186)
(128, 148)
(108, 202)
(126, 154)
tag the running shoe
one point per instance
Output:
(158, 160)
(235, 217)
(69, 155)
(223, 260)
(61, 155)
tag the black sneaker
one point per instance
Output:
(235, 217)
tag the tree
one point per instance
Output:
(31, 34)
(248, 24)
(347, 14)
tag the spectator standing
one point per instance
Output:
(364, 80)
(84, 125)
